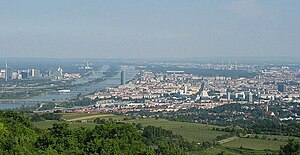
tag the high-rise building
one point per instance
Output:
(185, 89)
(281, 88)
(228, 96)
(31, 72)
(6, 71)
(37, 73)
(58, 73)
(250, 97)
(14, 75)
(49, 73)
(2, 73)
(122, 77)
(202, 87)
(34, 73)
(24, 74)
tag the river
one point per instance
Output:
(114, 81)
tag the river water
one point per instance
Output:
(114, 81)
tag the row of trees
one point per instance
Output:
(45, 116)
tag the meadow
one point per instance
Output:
(86, 116)
(190, 131)
(232, 151)
(254, 144)
(78, 120)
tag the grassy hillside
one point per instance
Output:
(77, 120)
(201, 133)
(190, 131)
(232, 151)
(254, 144)
(85, 116)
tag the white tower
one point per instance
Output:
(6, 71)
(222, 65)
(185, 89)
(250, 97)
(228, 96)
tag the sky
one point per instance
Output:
(149, 28)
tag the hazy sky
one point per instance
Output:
(149, 28)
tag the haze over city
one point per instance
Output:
(149, 29)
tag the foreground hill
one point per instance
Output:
(115, 134)
(19, 136)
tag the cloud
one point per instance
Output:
(248, 8)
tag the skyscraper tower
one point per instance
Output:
(222, 67)
(250, 97)
(228, 96)
(6, 71)
(201, 87)
(122, 77)
(281, 88)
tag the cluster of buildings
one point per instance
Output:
(20, 74)
(176, 90)
(32, 73)
(150, 86)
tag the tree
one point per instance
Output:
(291, 148)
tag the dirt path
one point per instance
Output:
(87, 117)
(228, 140)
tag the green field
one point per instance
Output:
(277, 137)
(200, 133)
(190, 131)
(68, 116)
(254, 144)
(86, 116)
(232, 151)
(73, 119)
(244, 146)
